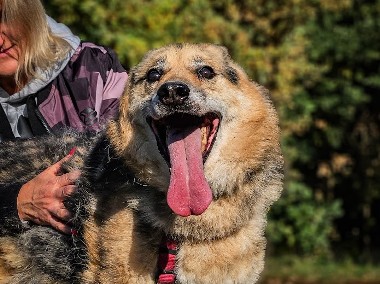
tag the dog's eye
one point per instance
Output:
(153, 75)
(206, 72)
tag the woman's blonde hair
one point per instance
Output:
(39, 47)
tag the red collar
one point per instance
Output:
(166, 261)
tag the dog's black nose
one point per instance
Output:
(173, 93)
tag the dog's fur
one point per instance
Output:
(123, 208)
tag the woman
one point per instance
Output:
(49, 80)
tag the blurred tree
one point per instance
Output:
(345, 132)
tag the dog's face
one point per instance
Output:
(196, 124)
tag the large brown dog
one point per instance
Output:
(176, 189)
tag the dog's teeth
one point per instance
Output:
(204, 138)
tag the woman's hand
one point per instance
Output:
(40, 200)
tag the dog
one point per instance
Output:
(175, 190)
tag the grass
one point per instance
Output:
(296, 270)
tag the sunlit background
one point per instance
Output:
(321, 62)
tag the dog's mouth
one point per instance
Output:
(178, 123)
(185, 141)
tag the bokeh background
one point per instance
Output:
(321, 61)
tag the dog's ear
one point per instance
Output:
(224, 50)
(136, 74)
(132, 76)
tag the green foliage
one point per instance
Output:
(321, 61)
(293, 269)
(337, 148)
(301, 223)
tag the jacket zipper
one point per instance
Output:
(43, 121)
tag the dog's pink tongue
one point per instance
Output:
(189, 192)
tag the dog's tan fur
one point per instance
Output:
(226, 243)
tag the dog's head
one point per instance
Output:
(193, 125)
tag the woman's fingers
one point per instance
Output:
(65, 191)
(61, 214)
(56, 168)
(68, 178)
(59, 225)
(41, 199)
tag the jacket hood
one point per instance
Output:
(46, 76)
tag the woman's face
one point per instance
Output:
(9, 51)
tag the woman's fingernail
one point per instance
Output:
(72, 151)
